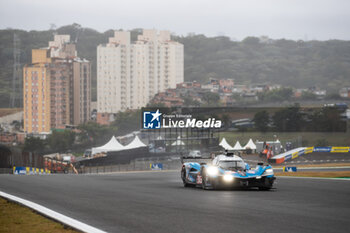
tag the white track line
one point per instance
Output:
(53, 214)
(314, 178)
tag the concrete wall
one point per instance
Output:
(141, 164)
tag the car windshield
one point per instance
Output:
(232, 165)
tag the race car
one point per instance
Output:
(225, 171)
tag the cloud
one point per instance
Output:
(294, 19)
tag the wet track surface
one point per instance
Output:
(157, 202)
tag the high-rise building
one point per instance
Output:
(80, 91)
(56, 87)
(130, 74)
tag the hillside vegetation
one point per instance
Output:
(290, 63)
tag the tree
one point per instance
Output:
(127, 122)
(280, 94)
(190, 102)
(93, 134)
(262, 121)
(288, 119)
(61, 141)
(211, 99)
(251, 41)
(226, 120)
(33, 144)
(307, 95)
(328, 119)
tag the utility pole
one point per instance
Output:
(16, 68)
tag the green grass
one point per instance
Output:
(16, 218)
(307, 138)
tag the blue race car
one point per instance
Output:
(227, 170)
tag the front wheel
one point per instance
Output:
(204, 180)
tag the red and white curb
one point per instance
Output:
(53, 214)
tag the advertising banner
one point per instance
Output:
(295, 155)
(340, 149)
(156, 166)
(323, 149)
(309, 150)
(29, 171)
(289, 169)
(19, 170)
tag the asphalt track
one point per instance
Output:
(157, 202)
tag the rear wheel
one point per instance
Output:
(183, 177)
(267, 185)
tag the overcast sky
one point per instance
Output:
(291, 19)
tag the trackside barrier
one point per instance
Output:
(340, 149)
(322, 149)
(295, 153)
(30, 171)
(292, 154)
(308, 150)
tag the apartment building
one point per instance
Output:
(57, 88)
(130, 74)
(36, 93)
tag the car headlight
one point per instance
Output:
(212, 171)
(268, 172)
(228, 178)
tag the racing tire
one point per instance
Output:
(204, 180)
(267, 185)
(183, 177)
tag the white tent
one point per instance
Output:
(136, 143)
(225, 144)
(112, 145)
(238, 146)
(250, 145)
(178, 142)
